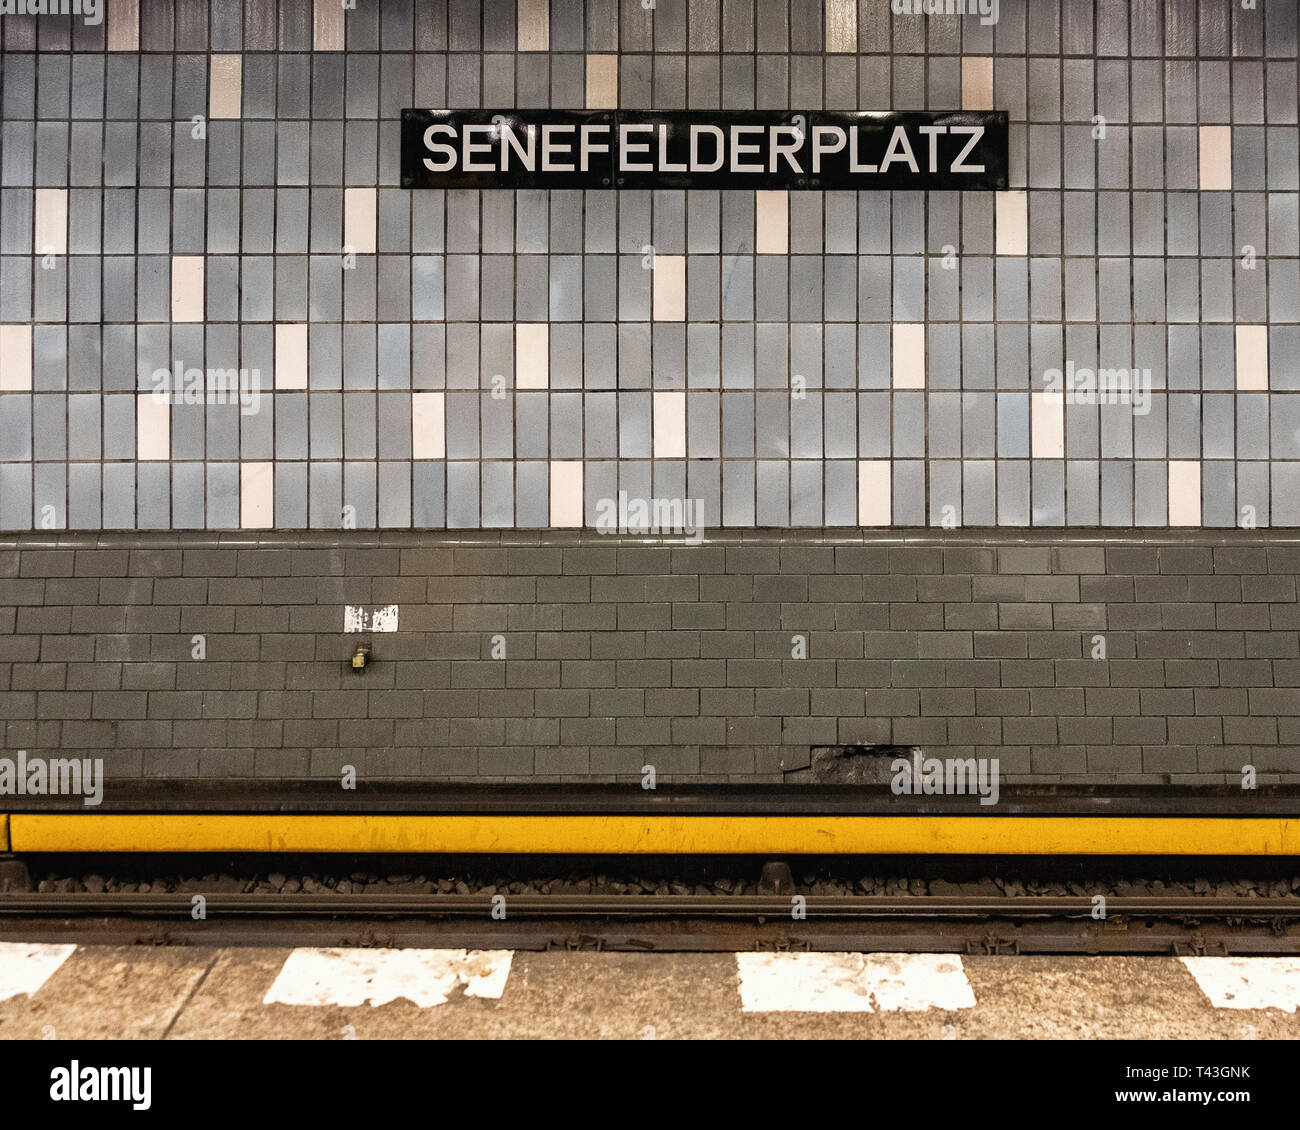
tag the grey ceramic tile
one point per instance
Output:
(1128, 263)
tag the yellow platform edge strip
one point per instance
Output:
(4, 832)
(669, 835)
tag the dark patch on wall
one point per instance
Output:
(849, 765)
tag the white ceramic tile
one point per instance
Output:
(1252, 357)
(15, 358)
(566, 493)
(1184, 492)
(1216, 158)
(226, 86)
(909, 355)
(360, 219)
(1047, 422)
(669, 288)
(124, 25)
(670, 425)
(50, 235)
(602, 82)
(428, 425)
(977, 83)
(534, 25)
(1012, 213)
(152, 427)
(842, 25)
(328, 25)
(532, 355)
(875, 492)
(291, 355)
(257, 496)
(187, 288)
(772, 222)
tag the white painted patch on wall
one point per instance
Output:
(26, 966)
(1248, 982)
(852, 982)
(384, 619)
(351, 977)
(357, 619)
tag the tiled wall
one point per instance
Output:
(197, 185)
(1165, 658)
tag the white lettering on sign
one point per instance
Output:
(959, 165)
(786, 149)
(446, 152)
(471, 149)
(555, 146)
(737, 148)
(698, 164)
(527, 154)
(826, 139)
(958, 149)
(589, 146)
(625, 147)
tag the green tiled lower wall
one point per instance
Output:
(622, 652)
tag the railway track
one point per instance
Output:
(523, 900)
(1007, 925)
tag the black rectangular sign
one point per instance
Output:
(961, 149)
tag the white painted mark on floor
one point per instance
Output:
(1248, 982)
(26, 966)
(352, 977)
(852, 982)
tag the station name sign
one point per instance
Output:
(961, 149)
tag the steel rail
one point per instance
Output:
(181, 903)
(666, 924)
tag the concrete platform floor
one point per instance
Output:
(210, 993)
